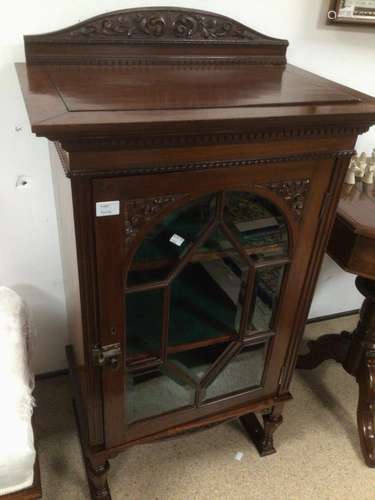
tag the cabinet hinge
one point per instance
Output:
(325, 204)
(107, 355)
(282, 374)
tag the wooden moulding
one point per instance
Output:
(154, 35)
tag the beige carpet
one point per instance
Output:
(318, 451)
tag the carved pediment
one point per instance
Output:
(158, 24)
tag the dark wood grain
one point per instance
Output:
(155, 108)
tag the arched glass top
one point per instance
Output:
(255, 223)
(201, 297)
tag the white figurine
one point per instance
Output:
(353, 170)
(362, 164)
(368, 178)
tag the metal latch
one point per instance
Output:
(107, 355)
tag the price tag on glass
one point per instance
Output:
(176, 240)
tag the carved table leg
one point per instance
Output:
(331, 346)
(366, 371)
(262, 437)
(356, 352)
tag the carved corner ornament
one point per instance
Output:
(293, 192)
(139, 212)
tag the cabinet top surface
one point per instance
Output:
(215, 72)
(134, 88)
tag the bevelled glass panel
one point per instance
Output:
(265, 298)
(196, 362)
(243, 372)
(144, 314)
(256, 223)
(217, 243)
(206, 300)
(177, 231)
(154, 393)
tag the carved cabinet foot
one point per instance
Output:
(262, 437)
(97, 478)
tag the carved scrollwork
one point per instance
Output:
(153, 26)
(159, 24)
(185, 26)
(139, 212)
(157, 27)
(293, 192)
(210, 27)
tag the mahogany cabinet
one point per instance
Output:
(196, 177)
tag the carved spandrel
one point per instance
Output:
(293, 192)
(139, 212)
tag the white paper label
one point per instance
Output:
(177, 240)
(105, 208)
(238, 456)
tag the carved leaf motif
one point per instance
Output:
(293, 192)
(167, 26)
(140, 211)
(153, 26)
(185, 26)
(210, 27)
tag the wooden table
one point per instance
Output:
(352, 246)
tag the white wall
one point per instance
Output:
(29, 251)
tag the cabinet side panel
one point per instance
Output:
(65, 220)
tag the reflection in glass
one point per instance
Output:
(197, 362)
(144, 314)
(153, 393)
(177, 231)
(244, 372)
(266, 294)
(205, 305)
(206, 301)
(256, 223)
(148, 275)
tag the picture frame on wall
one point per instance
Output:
(352, 12)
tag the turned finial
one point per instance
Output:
(368, 177)
(353, 170)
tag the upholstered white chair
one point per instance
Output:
(17, 451)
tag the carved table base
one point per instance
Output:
(356, 352)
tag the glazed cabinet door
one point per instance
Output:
(195, 291)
